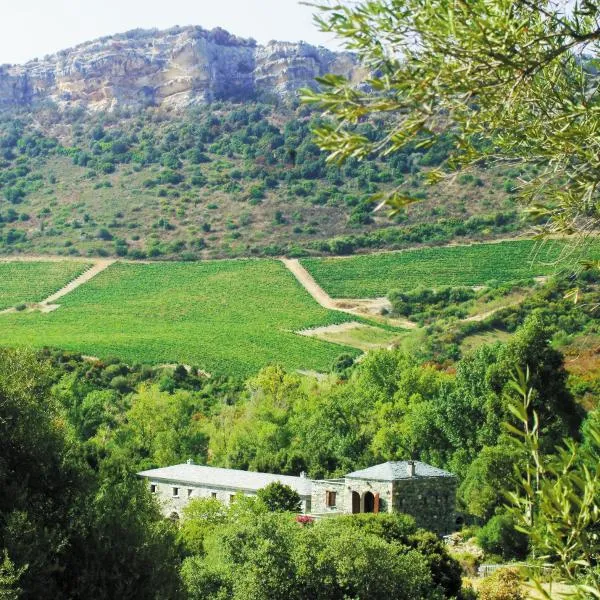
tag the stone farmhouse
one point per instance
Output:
(415, 488)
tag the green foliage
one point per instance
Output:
(481, 489)
(268, 556)
(70, 531)
(278, 497)
(200, 518)
(557, 500)
(9, 579)
(519, 96)
(342, 362)
(499, 537)
(504, 584)
(421, 302)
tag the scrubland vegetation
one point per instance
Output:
(219, 181)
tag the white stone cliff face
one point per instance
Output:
(174, 68)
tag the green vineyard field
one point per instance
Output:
(223, 316)
(22, 282)
(374, 275)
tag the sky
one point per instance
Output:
(33, 28)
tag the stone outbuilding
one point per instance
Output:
(415, 488)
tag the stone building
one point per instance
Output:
(414, 488)
(178, 484)
(425, 492)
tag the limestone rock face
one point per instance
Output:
(174, 68)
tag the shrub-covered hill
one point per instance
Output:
(221, 180)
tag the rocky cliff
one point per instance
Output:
(174, 68)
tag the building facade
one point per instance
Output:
(175, 486)
(425, 492)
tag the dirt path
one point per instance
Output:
(309, 284)
(48, 304)
(363, 307)
(98, 267)
(339, 328)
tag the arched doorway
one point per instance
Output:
(355, 503)
(369, 502)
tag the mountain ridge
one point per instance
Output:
(174, 68)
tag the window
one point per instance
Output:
(330, 499)
(213, 495)
(190, 492)
(175, 492)
(231, 498)
(153, 488)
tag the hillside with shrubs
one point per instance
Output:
(224, 180)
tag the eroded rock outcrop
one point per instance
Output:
(178, 67)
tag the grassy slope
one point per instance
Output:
(34, 281)
(375, 275)
(227, 316)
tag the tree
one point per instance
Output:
(499, 536)
(481, 490)
(9, 579)
(200, 517)
(70, 532)
(44, 482)
(557, 500)
(279, 497)
(267, 556)
(506, 80)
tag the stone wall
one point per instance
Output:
(319, 496)
(430, 500)
(364, 486)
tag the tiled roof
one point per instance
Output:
(227, 478)
(392, 471)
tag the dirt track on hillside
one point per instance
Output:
(48, 304)
(363, 307)
(98, 267)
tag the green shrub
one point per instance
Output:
(499, 536)
(342, 362)
(104, 234)
(278, 497)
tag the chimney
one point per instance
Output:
(302, 474)
(189, 461)
(411, 468)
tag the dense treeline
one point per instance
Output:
(71, 531)
(248, 552)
